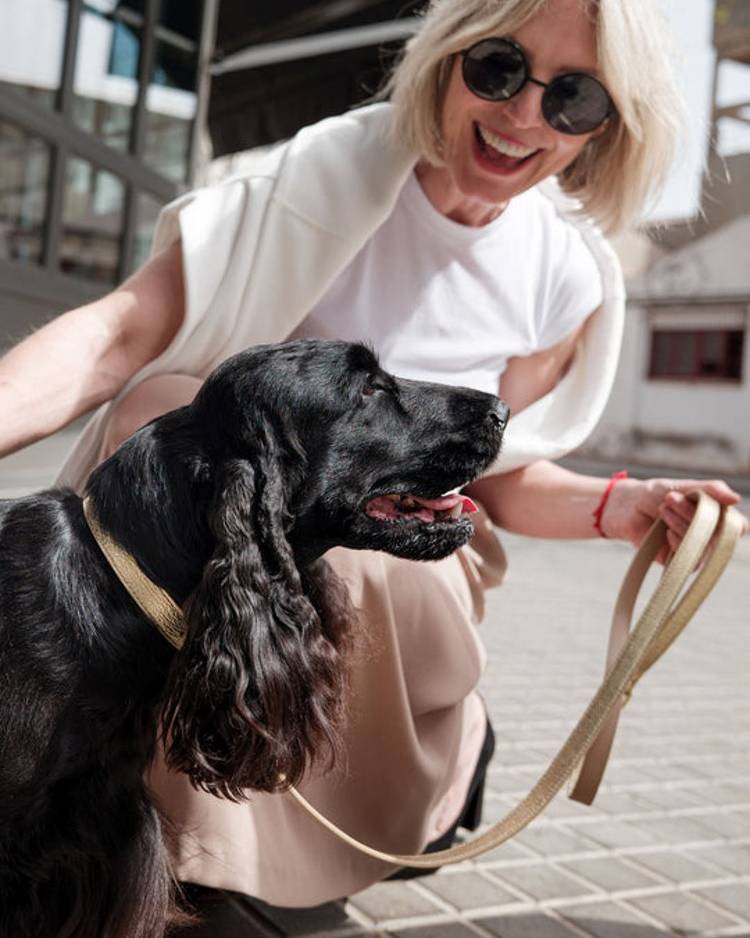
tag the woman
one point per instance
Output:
(420, 226)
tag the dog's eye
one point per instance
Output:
(372, 387)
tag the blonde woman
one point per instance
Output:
(456, 230)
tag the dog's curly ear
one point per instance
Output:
(256, 691)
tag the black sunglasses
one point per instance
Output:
(497, 69)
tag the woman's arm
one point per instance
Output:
(545, 500)
(84, 357)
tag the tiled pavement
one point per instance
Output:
(665, 850)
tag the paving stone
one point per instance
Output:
(729, 794)
(509, 852)
(678, 867)
(608, 920)
(704, 769)
(392, 900)
(735, 897)
(469, 890)
(517, 755)
(552, 841)
(676, 830)
(543, 882)
(451, 930)
(621, 775)
(682, 912)
(731, 824)
(671, 799)
(610, 873)
(736, 859)
(534, 925)
(616, 834)
(622, 802)
(668, 772)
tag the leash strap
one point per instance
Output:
(584, 754)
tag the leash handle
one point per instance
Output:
(585, 782)
(631, 652)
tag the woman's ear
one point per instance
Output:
(255, 692)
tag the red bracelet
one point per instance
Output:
(597, 515)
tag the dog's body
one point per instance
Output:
(228, 504)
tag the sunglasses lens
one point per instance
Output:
(494, 69)
(575, 104)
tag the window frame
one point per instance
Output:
(58, 129)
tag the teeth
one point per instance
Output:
(504, 146)
(456, 511)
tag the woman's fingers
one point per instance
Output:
(717, 488)
(677, 520)
(679, 504)
(677, 512)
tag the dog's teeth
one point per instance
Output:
(456, 511)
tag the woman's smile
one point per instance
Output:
(498, 153)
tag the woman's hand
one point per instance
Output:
(633, 506)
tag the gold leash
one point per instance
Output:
(583, 756)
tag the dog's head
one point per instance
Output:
(367, 460)
(293, 449)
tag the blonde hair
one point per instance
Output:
(617, 173)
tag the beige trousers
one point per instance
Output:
(414, 731)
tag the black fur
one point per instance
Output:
(228, 504)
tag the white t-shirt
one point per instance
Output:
(445, 302)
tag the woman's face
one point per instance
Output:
(495, 150)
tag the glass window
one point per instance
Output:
(32, 43)
(696, 354)
(24, 174)
(92, 222)
(170, 110)
(148, 209)
(683, 353)
(106, 74)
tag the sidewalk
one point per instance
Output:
(664, 850)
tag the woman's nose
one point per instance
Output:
(525, 108)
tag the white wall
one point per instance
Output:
(688, 425)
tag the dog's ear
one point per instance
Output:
(257, 688)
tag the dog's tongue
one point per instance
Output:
(446, 502)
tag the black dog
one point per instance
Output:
(228, 504)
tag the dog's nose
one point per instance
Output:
(498, 415)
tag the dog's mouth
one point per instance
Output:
(396, 508)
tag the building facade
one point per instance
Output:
(681, 398)
(100, 108)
